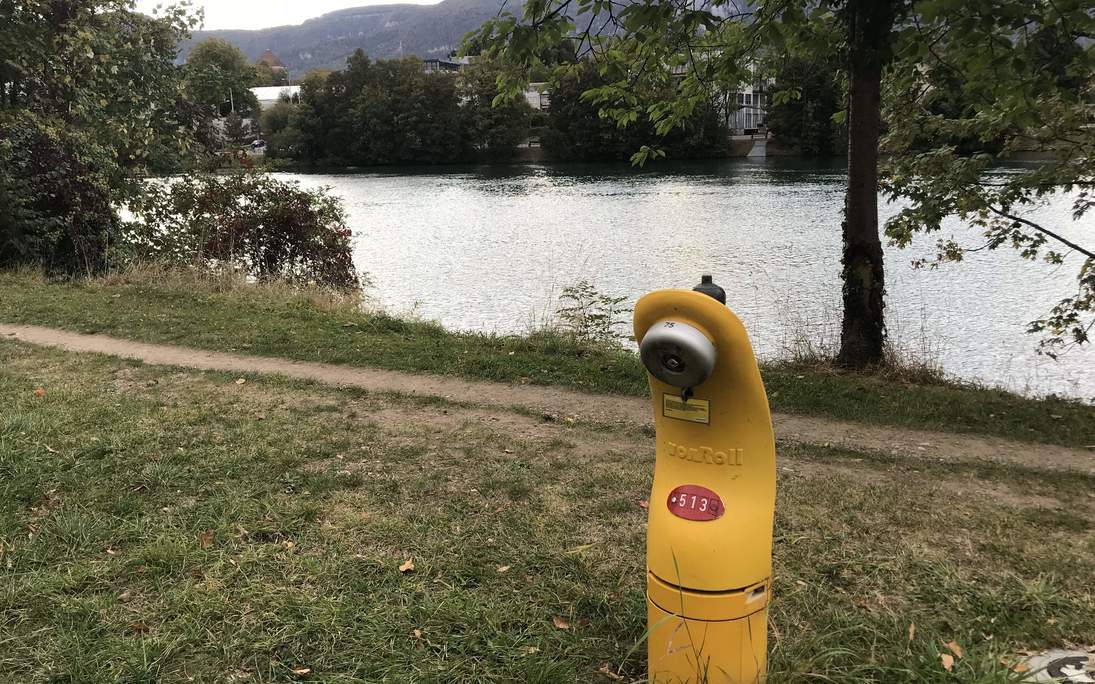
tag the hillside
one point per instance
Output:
(380, 30)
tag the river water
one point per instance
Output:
(491, 248)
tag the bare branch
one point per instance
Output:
(1045, 231)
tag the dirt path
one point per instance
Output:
(560, 401)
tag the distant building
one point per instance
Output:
(446, 65)
(749, 113)
(538, 97)
(268, 96)
(745, 109)
(271, 60)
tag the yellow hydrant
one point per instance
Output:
(709, 539)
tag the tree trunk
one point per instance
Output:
(863, 332)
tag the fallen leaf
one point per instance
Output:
(954, 648)
(607, 671)
(408, 566)
(40, 392)
(560, 623)
(243, 381)
(1051, 621)
(529, 650)
(205, 539)
(139, 627)
(643, 503)
(300, 670)
(417, 633)
(502, 568)
(948, 661)
(111, 551)
(912, 631)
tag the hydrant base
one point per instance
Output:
(687, 651)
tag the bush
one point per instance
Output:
(588, 317)
(268, 229)
(56, 207)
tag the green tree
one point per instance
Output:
(406, 115)
(265, 75)
(88, 91)
(281, 129)
(493, 129)
(1020, 79)
(662, 60)
(325, 121)
(219, 76)
(802, 118)
(236, 130)
(576, 130)
(385, 112)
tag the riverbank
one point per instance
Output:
(167, 524)
(273, 321)
(491, 248)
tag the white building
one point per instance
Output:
(538, 97)
(268, 96)
(747, 110)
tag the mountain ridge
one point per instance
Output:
(382, 31)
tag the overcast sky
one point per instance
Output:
(255, 14)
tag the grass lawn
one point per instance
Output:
(271, 322)
(162, 525)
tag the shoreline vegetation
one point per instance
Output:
(228, 313)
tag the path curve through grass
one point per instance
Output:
(562, 403)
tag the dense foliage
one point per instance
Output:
(91, 101)
(393, 111)
(1018, 79)
(219, 76)
(56, 198)
(812, 94)
(576, 130)
(89, 95)
(265, 75)
(246, 222)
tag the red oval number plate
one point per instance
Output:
(693, 502)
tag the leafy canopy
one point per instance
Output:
(88, 95)
(220, 76)
(1022, 70)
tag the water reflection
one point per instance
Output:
(490, 248)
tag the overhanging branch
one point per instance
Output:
(1045, 231)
